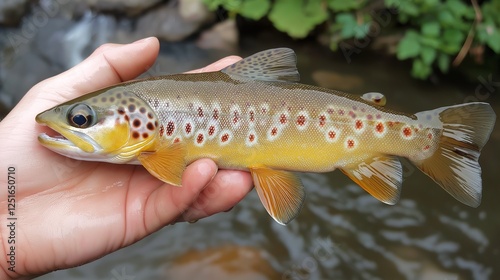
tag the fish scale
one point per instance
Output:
(255, 116)
(301, 107)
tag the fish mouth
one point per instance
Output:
(66, 140)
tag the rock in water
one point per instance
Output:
(11, 11)
(225, 262)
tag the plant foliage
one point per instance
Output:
(434, 34)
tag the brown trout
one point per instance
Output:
(255, 116)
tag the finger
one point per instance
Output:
(218, 65)
(168, 202)
(226, 189)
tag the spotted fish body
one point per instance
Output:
(253, 115)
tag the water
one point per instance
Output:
(342, 232)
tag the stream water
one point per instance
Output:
(341, 232)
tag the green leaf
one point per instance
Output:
(297, 18)
(343, 6)
(431, 29)
(458, 8)
(409, 46)
(420, 70)
(443, 62)
(346, 23)
(493, 41)
(428, 55)
(433, 42)
(254, 9)
(452, 40)
(446, 18)
(360, 31)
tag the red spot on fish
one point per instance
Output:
(150, 126)
(350, 143)
(211, 130)
(358, 124)
(301, 120)
(426, 147)
(200, 112)
(162, 130)
(283, 119)
(136, 123)
(251, 137)
(145, 135)
(150, 115)
(252, 116)
(188, 128)
(199, 139)
(127, 118)
(135, 134)
(391, 124)
(332, 134)
(379, 127)
(407, 132)
(429, 135)
(215, 114)
(177, 140)
(224, 137)
(322, 120)
(352, 114)
(274, 131)
(170, 128)
(236, 117)
(121, 111)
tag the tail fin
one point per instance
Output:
(454, 165)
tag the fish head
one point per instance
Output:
(111, 125)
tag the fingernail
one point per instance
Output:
(141, 41)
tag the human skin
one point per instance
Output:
(71, 212)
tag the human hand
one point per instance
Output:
(71, 212)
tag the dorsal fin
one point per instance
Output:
(274, 65)
(376, 98)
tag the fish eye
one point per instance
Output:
(81, 116)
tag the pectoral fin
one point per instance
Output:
(281, 192)
(380, 176)
(167, 163)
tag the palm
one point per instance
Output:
(79, 211)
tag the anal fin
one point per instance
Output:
(380, 176)
(281, 192)
(167, 163)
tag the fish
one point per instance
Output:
(254, 115)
